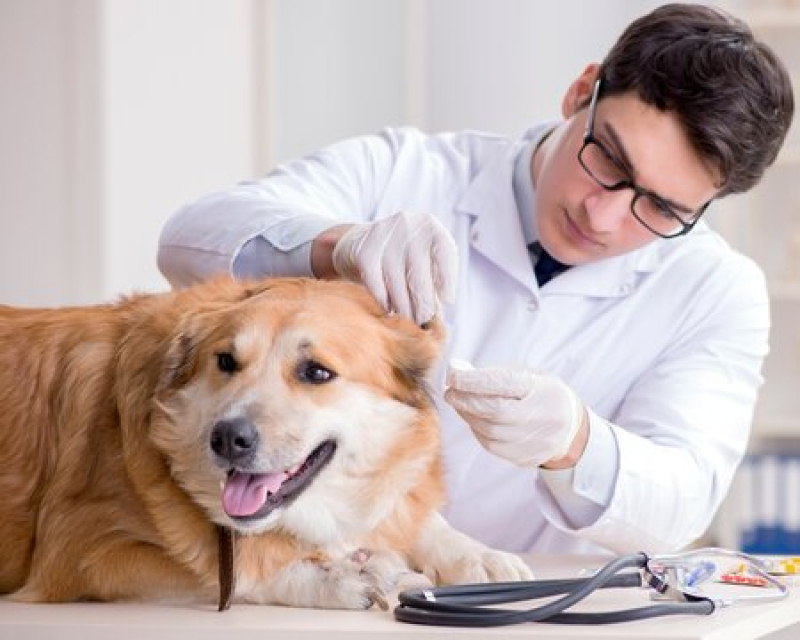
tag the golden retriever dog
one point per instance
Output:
(292, 412)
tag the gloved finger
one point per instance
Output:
(470, 406)
(345, 253)
(489, 434)
(459, 364)
(421, 291)
(444, 266)
(374, 282)
(511, 450)
(488, 381)
(487, 442)
(419, 269)
(397, 291)
(437, 313)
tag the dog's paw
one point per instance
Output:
(346, 584)
(365, 578)
(391, 574)
(488, 565)
(481, 564)
(357, 580)
(449, 556)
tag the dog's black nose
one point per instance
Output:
(235, 440)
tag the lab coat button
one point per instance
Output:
(533, 305)
(474, 236)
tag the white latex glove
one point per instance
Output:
(525, 417)
(408, 261)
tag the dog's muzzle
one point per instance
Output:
(250, 494)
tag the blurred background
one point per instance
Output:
(113, 113)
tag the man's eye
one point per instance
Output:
(603, 166)
(313, 372)
(667, 212)
(651, 208)
(227, 363)
(612, 168)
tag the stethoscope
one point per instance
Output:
(676, 578)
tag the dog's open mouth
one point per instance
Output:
(252, 496)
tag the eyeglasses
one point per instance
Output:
(650, 209)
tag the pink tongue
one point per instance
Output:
(246, 493)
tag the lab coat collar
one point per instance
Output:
(613, 277)
(497, 234)
(621, 275)
(496, 230)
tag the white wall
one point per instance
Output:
(37, 178)
(115, 112)
(337, 69)
(178, 105)
(504, 64)
(344, 67)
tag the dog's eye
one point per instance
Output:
(314, 373)
(227, 363)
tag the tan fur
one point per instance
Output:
(110, 490)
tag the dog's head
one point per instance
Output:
(291, 405)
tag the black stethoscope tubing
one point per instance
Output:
(462, 605)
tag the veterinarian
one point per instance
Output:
(605, 343)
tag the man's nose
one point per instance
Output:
(608, 210)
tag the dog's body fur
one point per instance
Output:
(111, 490)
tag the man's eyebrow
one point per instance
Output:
(626, 161)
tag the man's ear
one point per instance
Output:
(580, 91)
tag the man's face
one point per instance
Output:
(578, 220)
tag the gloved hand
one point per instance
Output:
(525, 417)
(406, 260)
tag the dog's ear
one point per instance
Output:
(180, 361)
(415, 350)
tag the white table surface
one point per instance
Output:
(112, 621)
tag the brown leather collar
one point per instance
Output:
(226, 544)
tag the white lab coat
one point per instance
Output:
(664, 344)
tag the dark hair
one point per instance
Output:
(731, 93)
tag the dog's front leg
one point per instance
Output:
(448, 556)
(357, 580)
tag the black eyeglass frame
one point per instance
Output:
(628, 183)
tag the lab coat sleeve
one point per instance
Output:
(683, 427)
(584, 491)
(258, 256)
(288, 209)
